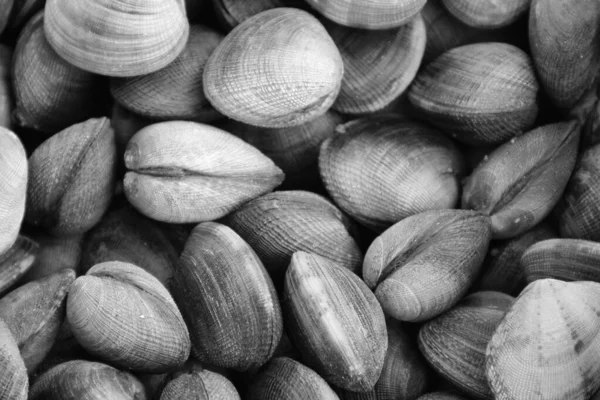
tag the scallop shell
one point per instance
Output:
(382, 169)
(548, 344)
(174, 92)
(117, 37)
(488, 13)
(231, 13)
(480, 93)
(277, 69)
(200, 385)
(55, 253)
(16, 261)
(124, 315)
(14, 382)
(523, 179)
(6, 95)
(378, 65)
(375, 14)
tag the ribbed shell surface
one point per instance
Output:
(16, 261)
(14, 382)
(487, 14)
(201, 385)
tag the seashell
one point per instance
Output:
(80, 379)
(16, 261)
(548, 343)
(71, 178)
(481, 93)
(34, 313)
(50, 93)
(377, 14)
(424, 264)
(454, 343)
(55, 254)
(6, 96)
(174, 92)
(200, 385)
(382, 169)
(14, 382)
(524, 178)
(279, 224)
(116, 37)
(502, 270)
(563, 37)
(23, 11)
(184, 172)
(124, 315)
(295, 150)
(13, 187)
(280, 78)
(231, 13)
(487, 14)
(564, 259)
(441, 396)
(378, 64)
(347, 343)
(286, 379)
(124, 235)
(227, 298)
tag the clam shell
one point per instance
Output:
(16, 261)
(71, 178)
(335, 321)
(227, 298)
(14, 382)
(86, 380)
(50, 93)
(424, 264)
(13, 187)
(480, 93)
(563, 37)
(6, 95)
(278, 224)
(523, 179)
(378, 65)
(174, 92)
(548, 344)
(488, 13)
(200, 385)
(55, 254)
(382, 169)
(124, 315)
(277, 69)
(34, 313)
(441, 396)
(454, 343)
(376, 14)
(184, 172)
(231, 13)
(286, 379)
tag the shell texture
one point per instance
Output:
(14, 382)
(16, 261)
(231, 13)
(201, 385)
(487, 13)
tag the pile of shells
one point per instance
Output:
(299, 199)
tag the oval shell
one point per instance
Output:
(200, 385)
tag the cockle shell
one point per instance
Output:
(286, 379)
(14, 382)
(174, 92)
(563, 36)
(488, 13)
(16, 261)
(124, 315)
(72, 177)
(6, 89)
(376, 14)
(335, 321)
(117, 37)
(278, 224)
(77, 380)
(424, 264)
(227, 299)
(50, 93)
(523, 179)
(277, 69)
(378, 65)
(548, 344)
(382, 169)
(204, 385)
(55, 253)
(184, 172)
(480, 93)
(454, 343)
(231, 13)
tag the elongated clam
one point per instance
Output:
(117, 37)
(6, 95)
(278, 224)
(16, 261)
(335, 321)
(55, 253)
(14, 382)
(124, 315)
(174, 92)
(231, 13)
(481, 93)
(378, 65)
(183, 171)
(524, 178)
(382, 169)
(200, 385)
(278, 68)
(424, 264)
(72, 177)
(76, 380)
(487, 13)
(548, 344)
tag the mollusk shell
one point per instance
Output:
(441, 396)
(231, 13)
(55, 253)
(14, 382)
(6, 87)
(16, 261)
(205, 385)
(488, 13)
